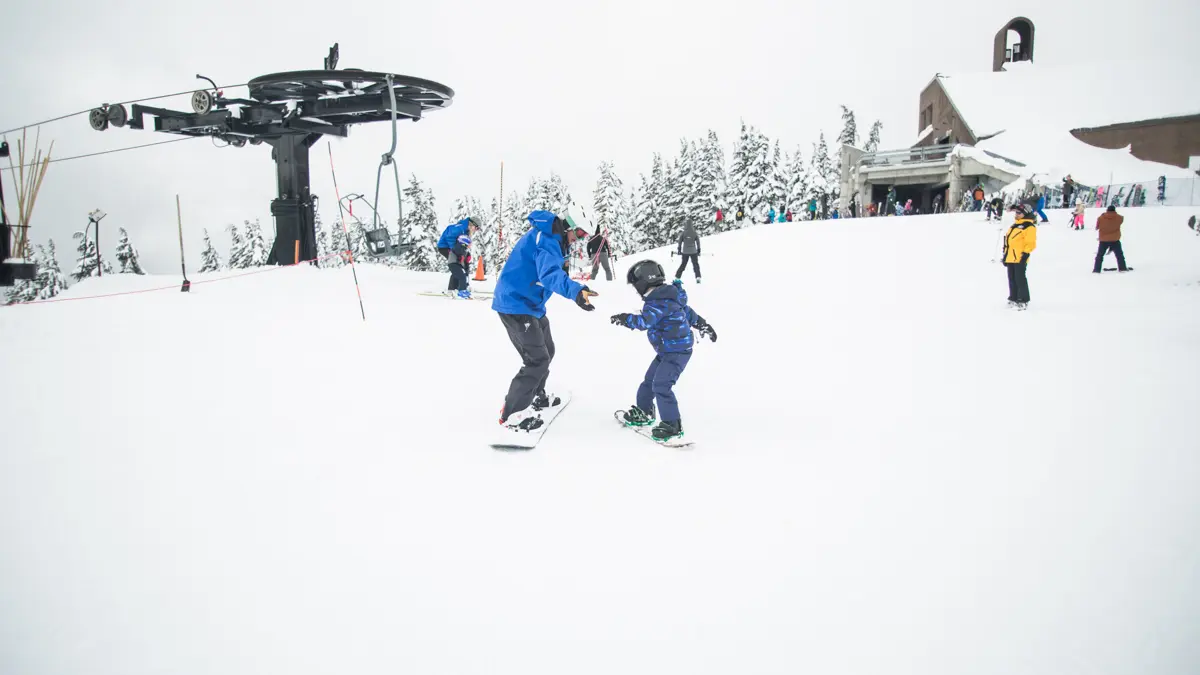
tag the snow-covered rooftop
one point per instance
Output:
(1030, 109)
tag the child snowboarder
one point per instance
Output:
(1077, 223)
(668, 321)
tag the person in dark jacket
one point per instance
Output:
(668, 321)
(599, 251)
(689, 247)
(1019, 243)
(996, 207)
(1109, 226)
(454, 245)
(534, 270)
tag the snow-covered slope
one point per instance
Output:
(893, 473)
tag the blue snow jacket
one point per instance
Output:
(667, 318)
(534, 270)
(451, 234)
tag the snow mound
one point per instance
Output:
(891, 473)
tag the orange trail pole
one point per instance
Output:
(297, 253)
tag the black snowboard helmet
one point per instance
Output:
(645, 275)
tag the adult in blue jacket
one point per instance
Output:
(535, 269)
(454, 246)
(1041, 204)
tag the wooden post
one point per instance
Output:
(187, 285)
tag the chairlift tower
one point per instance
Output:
(291, 111)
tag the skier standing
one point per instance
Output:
(668, 320)
(454, 245)
(534, 270)
(1077, 222)
(689, 247)
(1020, 241)
(599, 251)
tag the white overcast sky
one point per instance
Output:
(544, 86)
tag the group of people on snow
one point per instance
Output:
(536, 268)
(1021, 240)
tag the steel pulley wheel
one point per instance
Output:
(202, 102)
(118, 116)
(98, 118)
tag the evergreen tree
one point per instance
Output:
(256, 247)
(678, 196)
(779, 181)
(514, 221)
(739, 167)
(873, 138)
(606, 199)
(51, 280)
(822, 177)
(708, 184)
(849, 135)
(322, 241)
(420, 227)
(127, 255)
(209, 260)
(490, 249)
(85, 262)
(239, 256)
(649, 212)
(756, 190)
(26, 290)
(797, 185)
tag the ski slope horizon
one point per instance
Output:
(892, 472)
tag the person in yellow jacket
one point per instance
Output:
(1018, 244)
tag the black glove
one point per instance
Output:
(621, 319)
(706, 330)
(582, 299)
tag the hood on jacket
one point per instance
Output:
(543, 221)
(689, 230)
(672, 291)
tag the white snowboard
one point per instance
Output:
(507, 439)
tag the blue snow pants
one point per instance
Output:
(664, 371)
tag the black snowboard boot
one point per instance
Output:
(636, 417)
(544, 400)
(665, 430)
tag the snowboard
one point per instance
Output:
(505, 439)
(1114, 269)
(474, 295)
(644, 432)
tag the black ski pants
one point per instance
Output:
(683, 265)
(1105, 247)
(458, 277)
(1018, 284)
(531, 337)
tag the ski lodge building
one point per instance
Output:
(1021, 125)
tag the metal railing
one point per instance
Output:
(929, 153)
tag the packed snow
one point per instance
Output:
(892, 472)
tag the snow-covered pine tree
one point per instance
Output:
(873, 138)
(85, 262)
(553, 195)
(210, 261)
(708, 185)
(849, 135)
(739, 166)
(322, 241)
(514, 221)
(420, 227)
(819, 170)
(649, 211)
(779, 181)
(26, 290)
(797, 185)
(607, 204)
(239, 257)
(488, 245)
(678, 197)
(756, 190)
(127, 255)
(256, 246)
(51, 280)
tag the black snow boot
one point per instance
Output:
(636, 417)
(544, 400)
(665, 430)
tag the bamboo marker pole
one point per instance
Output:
(500, 223)
(187, 285)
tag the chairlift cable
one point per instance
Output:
(105, 152)
(89, 110)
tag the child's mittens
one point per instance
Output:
(621, 319)
(706, 330)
